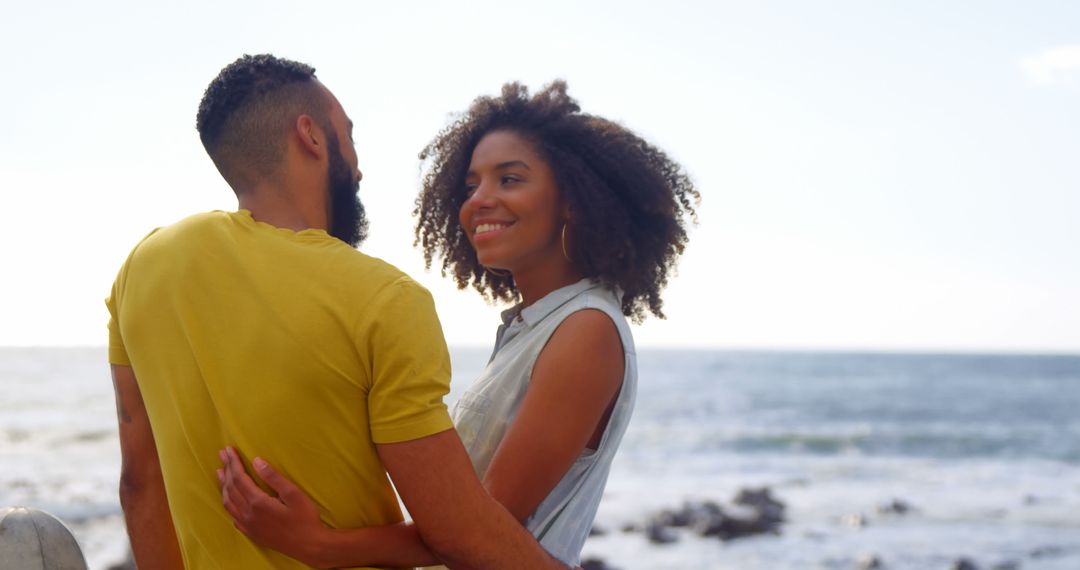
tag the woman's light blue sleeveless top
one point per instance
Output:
(562, 521)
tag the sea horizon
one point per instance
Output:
(837, 350)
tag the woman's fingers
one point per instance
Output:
(243, 500)
(288, 492)
(225, 476)
(281, 522)
(242, 484)
(256, 513)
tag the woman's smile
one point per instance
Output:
(486, 230)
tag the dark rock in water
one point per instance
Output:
(631, 527)
(595, 564)
(659, 534)
(895, 507)
(691, 514)
(761, 514)
(707, 509)
(597, 531)
(672, 518)
(964, 564)
(755, 511)
(710, 524)
(728, 527)
(762, 501)
(870, 562)
(710, 520)
(711, 527)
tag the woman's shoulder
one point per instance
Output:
(597, 310)
(589, 326)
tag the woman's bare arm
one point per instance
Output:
(573, 387)
(290, 524)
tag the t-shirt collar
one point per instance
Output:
(245, 217)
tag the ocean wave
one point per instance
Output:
(912, 444)
(930, 441)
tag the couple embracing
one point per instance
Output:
(272, 380)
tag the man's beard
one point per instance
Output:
(348, 221)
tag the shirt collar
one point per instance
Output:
(537, 311)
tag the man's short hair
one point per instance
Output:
(248, 109)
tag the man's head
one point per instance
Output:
(247, 115)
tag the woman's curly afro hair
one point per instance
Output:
(628, 201)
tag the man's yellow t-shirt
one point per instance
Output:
(291, 346)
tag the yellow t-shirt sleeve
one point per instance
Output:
(117, 352)
(410, 366)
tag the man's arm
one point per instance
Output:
(142, 490)
(455, 516)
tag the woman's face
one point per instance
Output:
(513, 215)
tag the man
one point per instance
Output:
(266, 329)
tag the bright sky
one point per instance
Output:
(875, 175)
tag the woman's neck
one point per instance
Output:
(534, 284)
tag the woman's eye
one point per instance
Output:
(509, 179)
(470, 189)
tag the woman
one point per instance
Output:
(578, 220)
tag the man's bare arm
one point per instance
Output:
(455, 516)
(142, 490)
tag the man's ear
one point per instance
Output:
(310, 136)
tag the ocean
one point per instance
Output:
(983, 450)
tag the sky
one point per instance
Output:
(874, 175)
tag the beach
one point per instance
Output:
(915, 461)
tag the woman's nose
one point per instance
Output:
(482, 196)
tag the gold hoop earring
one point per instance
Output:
(496, 272)
(563, 242)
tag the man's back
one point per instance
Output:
(291, 346)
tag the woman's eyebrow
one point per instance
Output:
(502, 166)
(511, 164)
